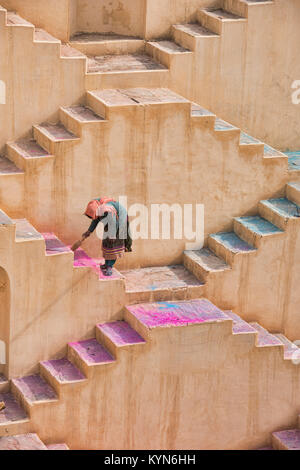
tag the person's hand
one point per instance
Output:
(86, 234)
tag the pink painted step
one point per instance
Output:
(264, 338)
(22, 442)
(63, 371)
(240, 326)
(54, 246)
(287, 440)
(58, 447)
(13, 411)
(120, 333)
(92, 352)
(167, 314)
(82, 259)
(35, 389)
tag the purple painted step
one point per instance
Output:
(22, 442)
(166, 314)
(82, 259)
(13, 412)
(58, 447)
(56, 132)
(239, 325)
(265, 338)
(29, 149)
(54, 246)
(92, 352)
(120, 333)
(35, 389)
(291, 351)
(8, 168)
(287, 440)
(63, 371)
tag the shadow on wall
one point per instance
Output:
(4, 316)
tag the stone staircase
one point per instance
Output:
(28, 442)
(42, 39)
(50, 140)
(30, 398)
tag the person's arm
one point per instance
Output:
(91, 228)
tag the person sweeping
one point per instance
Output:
(116, 235)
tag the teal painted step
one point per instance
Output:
(270, 152)
(258, 225)
(283, 207)
(247, 139)
(232, 242)
(294, 160)
(221, 125)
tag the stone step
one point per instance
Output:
(83, 260)
(122, 63)
(203, 263)
(165, 51)
(148, 317)
(223, 126)
(250, 144)
(188, 34)
(54, 246)
(294, 161)
(293, 192)
(254, 229)
(82, 114)
(9, 168)
(240, 326)
(13, 414)
(161, 283)
(264, 338)
(50, 135)
(202, 115)
(279, 211)
(57, 447)
(61, 372)
(33, 390)
(25, 150)
(25, 232)
(5, 220)
(119, 71)
(97, 44)
(89, 353)
(13, 19)
(40, 35)
(270, 152)
(68, 52)
(75, 117)
(286, 440)
(106, 101)
(291, 350)
(118, 336)
(22, 442)
(215, 19)
(227, 245)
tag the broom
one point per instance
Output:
(77, 244)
